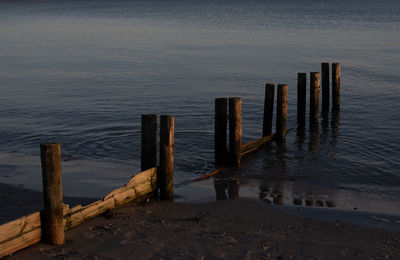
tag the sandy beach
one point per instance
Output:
(231, 229)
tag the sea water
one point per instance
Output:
(81, 73)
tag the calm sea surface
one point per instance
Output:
(82, 72)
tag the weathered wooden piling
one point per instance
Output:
(220, 129)
(149, 142)
(53, 218)
(325, 86)
(314, 98)
(281, 112)
(335, 85)
(235, 130)
(301, 99)
(166, 176)
(268, 109)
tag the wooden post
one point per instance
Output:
(53, 218)
(220, 124)
(235, 130)
(268, 109)
(335, 85)
(166, 175)
(301, 99)
(314, 98)
(149, 142)
(325, 86)
(281, 112)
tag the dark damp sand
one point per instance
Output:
(233, 229)
(16, 202)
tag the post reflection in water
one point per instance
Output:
(314, 140)
(324, 125)
(272, 189)
(300, 134)
(335, 126)
(277, 186)
(226, 188)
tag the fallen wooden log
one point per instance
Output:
(138, 186)
(29, 238)
(244, 149)
(254, 145)
(26, 231)
(208, 175)
(20, 233)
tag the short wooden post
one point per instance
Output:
(220, 124)
(314, 98)
(149, 142)
(325, 86)
(268, 109)
(301, 99)
(53, 218)
(235, 130)
(166, 176)
(281, 112)
(335, 85)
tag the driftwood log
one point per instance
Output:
(26, 231)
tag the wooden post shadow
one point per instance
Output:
(325, 87)
(301, 100)
(149, 142)
(220, 129)
(268, 109)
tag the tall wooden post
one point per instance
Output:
(325, 86)
(235, 130)
(301, 99)
(281, 112)
(149, 142)
(220, 124)
(335, 85)
(314, 98)
(53, 218)
(268, 109)
(166, 176)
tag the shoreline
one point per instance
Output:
(16, 202)
(240, 228)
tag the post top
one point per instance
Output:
(235, 98)
(167, 116)
(49, 144)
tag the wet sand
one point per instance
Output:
(232, 229)
(16, 202)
